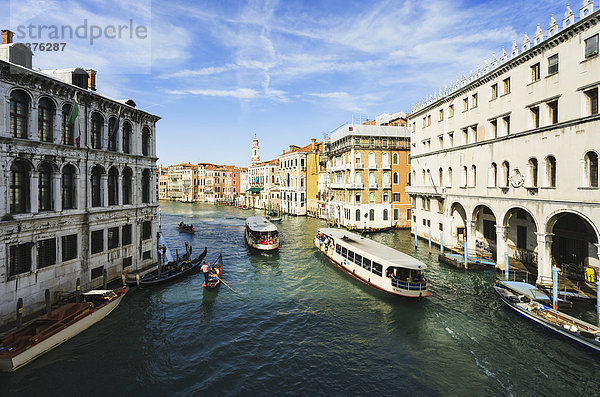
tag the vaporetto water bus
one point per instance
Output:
(261, 234)
(376, 264)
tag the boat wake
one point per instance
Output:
(491, 374)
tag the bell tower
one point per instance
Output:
(255, 155)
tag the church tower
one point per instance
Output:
(255, 156)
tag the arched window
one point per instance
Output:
(408, 178)
(493, 175)
(423, 176)
(46, 112)
(357, 215)
(113, 186)
(505, 173)
(385, 214)
(385, 178)
(441, 176)
(68, 135)
(19, 187)
(96, 183)
(386, 197)
(371, 178)
(357, 178)
(371, 197)
(145, 141)
(464, 176)
(551, 171)
(450, 176)
(385, 158)
(533, 172)
(146, 186)
(127, 180)
(372, 215)
(357, 158)
(112, 140)
(97, 130)
(19, 114)
(127, 137)
(69, 192)
(473, 175)
(45, 188)
(395, 158)
(396, 178)
(371, 159)
(591, 168)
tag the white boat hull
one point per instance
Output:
(8, 365)
(379, 282)
(261, 247)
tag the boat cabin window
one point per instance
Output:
(344, 252)
(377, 268)
(338, 249)
(367, 263)
(358, 259)
(350, 256)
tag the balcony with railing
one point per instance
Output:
(372, 185)
(386, 166)
(356, 186)
(428, 190)
(358, 166)
(372, 166)
(387, 185)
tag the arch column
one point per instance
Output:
(57, 127)
(32, 128)
(544, 246)
(501, 245)
(79, 192)
(105, 135)
(56, 192)
(471, 225)
(33, 192)
(120, 189)
(104, 189)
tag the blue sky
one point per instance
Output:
(219, 71)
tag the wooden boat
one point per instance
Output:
(171, 271)
(48, 331)
(182, 227)
(576, 330)
(261, 234)
(373, 263)
(216, 271)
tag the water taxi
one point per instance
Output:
(261, 234)
(48, 331)
(376, 264)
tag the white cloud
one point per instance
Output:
(240, 93)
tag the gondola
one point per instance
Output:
(182, 227)
(172, 271)
(214, 274)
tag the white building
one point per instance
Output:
(508, 157)
(69, 211)
(292, 173)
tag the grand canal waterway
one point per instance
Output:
(298, 325)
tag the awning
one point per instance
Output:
(254, 189)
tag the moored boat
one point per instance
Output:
(576, 330)
(172, 271)
(182, 227)
(215, 273)
(261, 234)
(375, 264)
(50, 330)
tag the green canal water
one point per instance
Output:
(297, 325)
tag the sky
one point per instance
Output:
(218, 72)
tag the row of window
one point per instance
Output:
(359, 260)
(20, 184)
(385, 159)
(20, 107)
(591, 50)
(47, 254)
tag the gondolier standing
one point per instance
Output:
(205, 268)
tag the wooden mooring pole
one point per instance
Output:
(19, 312)
(48, 302)
(104, 278)
(77, 290)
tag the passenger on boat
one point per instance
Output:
(205, 268)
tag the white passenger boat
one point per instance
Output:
(373, 263)
(48, 331)
(261, 234)
(576, 330)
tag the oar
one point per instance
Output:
(225, 283)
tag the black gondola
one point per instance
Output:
(182, 227)
(172, 271)
(214, 274)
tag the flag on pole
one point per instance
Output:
(113, 135)
(74, 119)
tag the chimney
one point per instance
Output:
(313, 144)
(7, 37)
(92, 79)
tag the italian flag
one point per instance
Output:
(74, 119)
